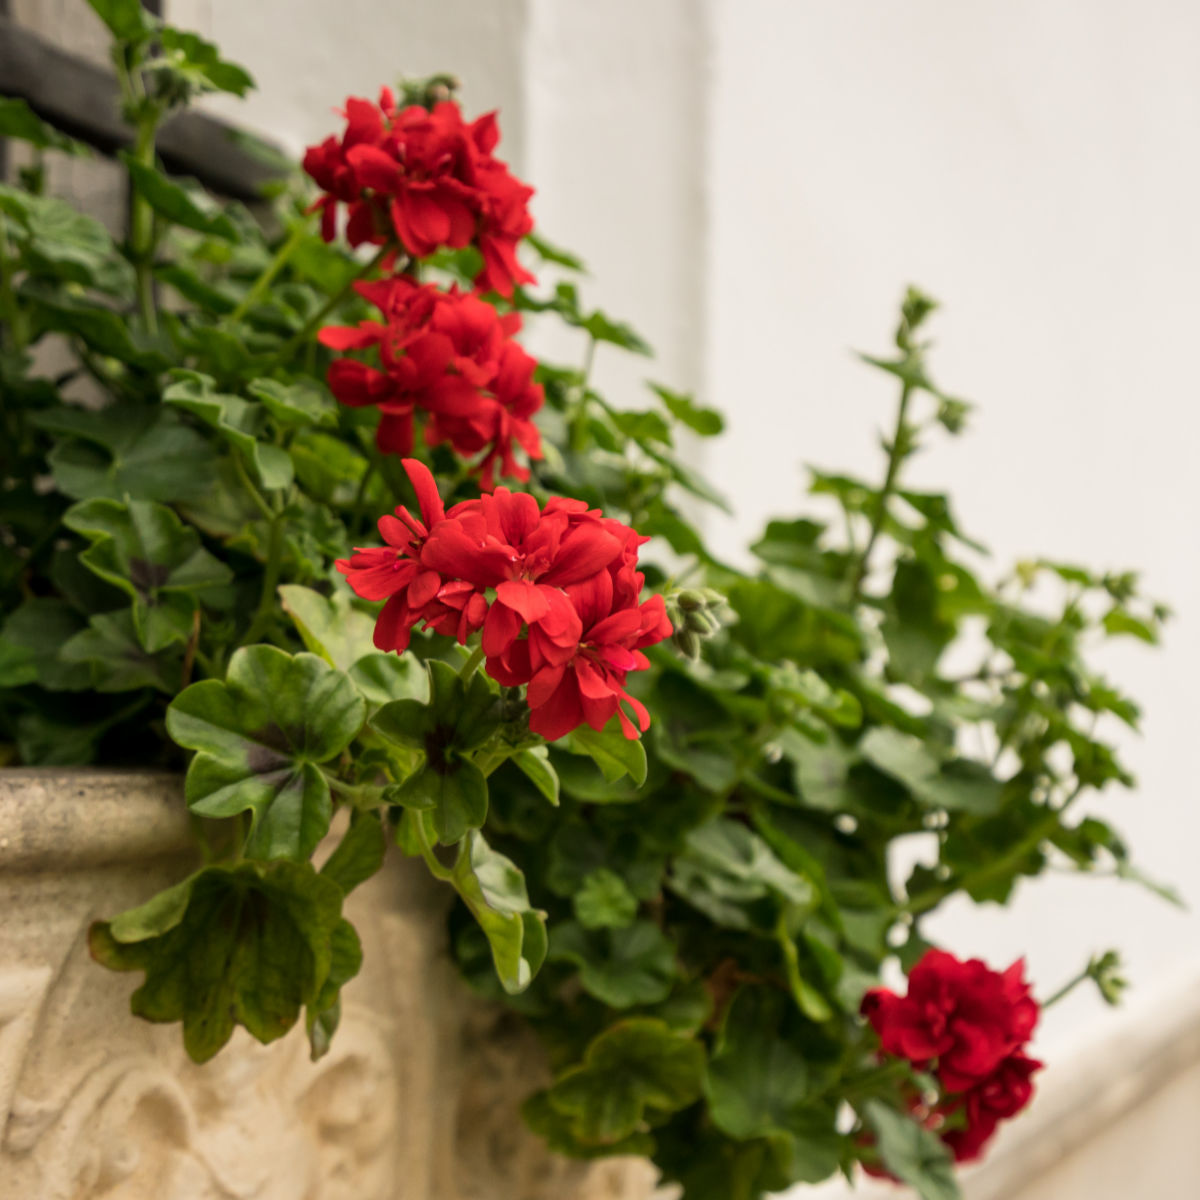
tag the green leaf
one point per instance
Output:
(614, 753)
(18, 120)
(146, 551)
(127, 449)
(112, 650)
(912, 1153)
(127, 20)
(535, 764)
(296, 405)
(604, 901)
(246, 944)
(634, 1073)
(57, 241)
(382, 678)
(960, 785)
(707, 422)
(260, 736)
(1119, 621)
(105, 331)
(622, 967)
(325, 1012)
(555, 254)
(493, 888)
(359, 854)
(199, 61)
(188, 207)
(31, 639)
(239, 422)
(768, 1071)
(329, 625)
(456, 791)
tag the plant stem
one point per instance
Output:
(9, 308)
(307, 328)
(272, 269)
(436, 868)
(468, 668)
(267, 600)
(579, 419)
(896, 455)
(997, 867)
(1068, 987)
(141, 224)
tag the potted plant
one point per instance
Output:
(454, 677)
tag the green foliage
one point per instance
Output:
(689, 919)
(249, 944)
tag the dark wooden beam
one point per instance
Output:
(82, 99)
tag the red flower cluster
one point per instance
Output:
(969, 1025)
(427, 178)
(451, 356)
(555, 591)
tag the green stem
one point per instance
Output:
(997, 868)
(307, 328)
(1068, 988)
(264, 281)
(9, 308)
(468, 668)
(436, 868)
(896, 455)
(259, 501)
(141, 225)
(267, 601)
(579, 419)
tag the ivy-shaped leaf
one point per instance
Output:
(614, 753)
(146, 550)
(767, 1072)
(622, 967)
(960, 785)
(493, 888)
(460, 716)
(239, 422)
(111, 648)
(127, 449)
(261, 736)
(913, 1154)
(298, 404)
(330, 625)
(634, 1074)
(245, 944)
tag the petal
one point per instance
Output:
(424, 484)
(500, 630)
(525, 598)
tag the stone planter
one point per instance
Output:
(416, 1101)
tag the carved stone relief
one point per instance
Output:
(417, 1099)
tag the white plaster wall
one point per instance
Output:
(1034, 164)
(307, 57)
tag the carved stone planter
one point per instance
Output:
(94, 1103)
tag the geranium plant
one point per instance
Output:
(333, 540)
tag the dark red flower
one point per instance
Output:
(961, 1017)
(1002, 1094)
(555, 591)
(449, 357)
(427, 178)
(397, 574)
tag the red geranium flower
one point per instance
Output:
(447, 355)
(428, 178)
(1002, 1094)
(962, 1016)
(554, 590)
